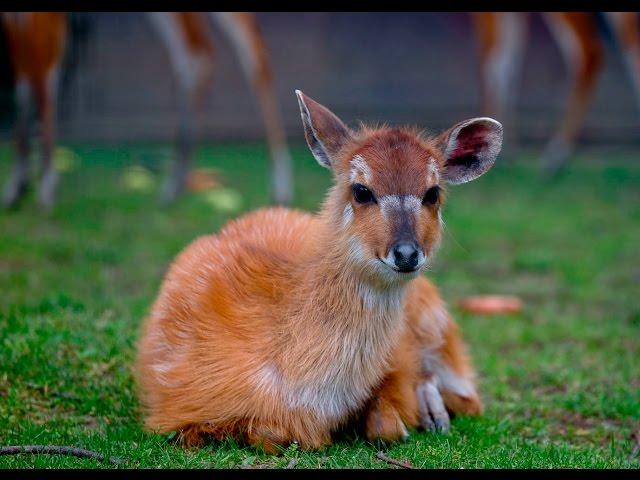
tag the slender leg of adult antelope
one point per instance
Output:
(243, 32)
(626, 30)
(176, 182)
(577, 36)
(46, 96)
(502, 38)
(16, 187)
(36, 41)
(190, 53)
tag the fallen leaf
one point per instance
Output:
(138, 178)
(224, 199)
(202, 179)
(65, 160)
(491, 304)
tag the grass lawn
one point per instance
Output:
(561, 381)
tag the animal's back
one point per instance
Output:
(218, 311)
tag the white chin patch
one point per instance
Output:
(382, 268)
(388, 271)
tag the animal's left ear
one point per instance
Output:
(470, 148)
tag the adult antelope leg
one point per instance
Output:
(243, 32)
(190, 53)
(577, 37)
(502, 37)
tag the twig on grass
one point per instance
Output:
(393, 461)
(58, 450)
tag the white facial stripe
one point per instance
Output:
(359, 165)
(347, 215)
(412, 203)
(433, 176)
(391, 203)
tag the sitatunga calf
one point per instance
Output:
(287, 325)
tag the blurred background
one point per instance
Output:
(420, 68)
(79, 269)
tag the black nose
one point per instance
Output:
(405, 256)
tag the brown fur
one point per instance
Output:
(273, 331)
(36, 42)
(36, 45)
(195, 32)
(577, 36)
(486, 31)
(396, 395)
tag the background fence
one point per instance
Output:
(398, 67)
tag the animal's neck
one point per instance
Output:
(343, 324)
(340, 284)
(349, 291)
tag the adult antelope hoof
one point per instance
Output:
(48, 184)
(15, 189)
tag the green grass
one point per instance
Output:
(561, 381)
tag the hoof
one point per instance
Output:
(555, 157)
(16, 188)
(171, 191)
(385, 425)
(48, 184)
(433, 414)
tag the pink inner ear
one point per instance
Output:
(467, 148)
(472, 150)
(471, 139)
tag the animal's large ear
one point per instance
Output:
(325, 133)
(470, 148)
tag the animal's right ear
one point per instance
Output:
(325, 132)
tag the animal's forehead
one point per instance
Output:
(394, 164)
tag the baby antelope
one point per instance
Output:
(286, 326)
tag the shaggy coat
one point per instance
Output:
(286, 325)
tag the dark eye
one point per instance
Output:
(432, 196)
(362, 194)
